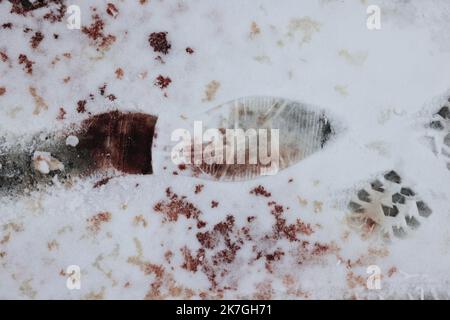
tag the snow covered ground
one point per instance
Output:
(138, 237)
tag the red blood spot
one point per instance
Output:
(62, 114)
(36, 39)
(112, 10)
(214, 204)
(158, 41)
(259, 190)
(102, 182)
(198, 188)
(81, 106)
(162, 82)
(28, 64)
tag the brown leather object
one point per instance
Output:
(121, 140)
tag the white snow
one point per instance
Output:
(72, 141)
(44, 162)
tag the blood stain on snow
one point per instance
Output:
(36, 39)
(120, 140)
(175, 206)
(119, 73)
(112, 10)
(260, 191)
(158, 41)
(198, 188)
(95, 222)
(81, 106)
(162, 82)
(95, 31)
(101, 182)
(28, 64)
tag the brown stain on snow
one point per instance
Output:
(39, 102)
(120, 140)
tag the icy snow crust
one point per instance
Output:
(282, 236)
